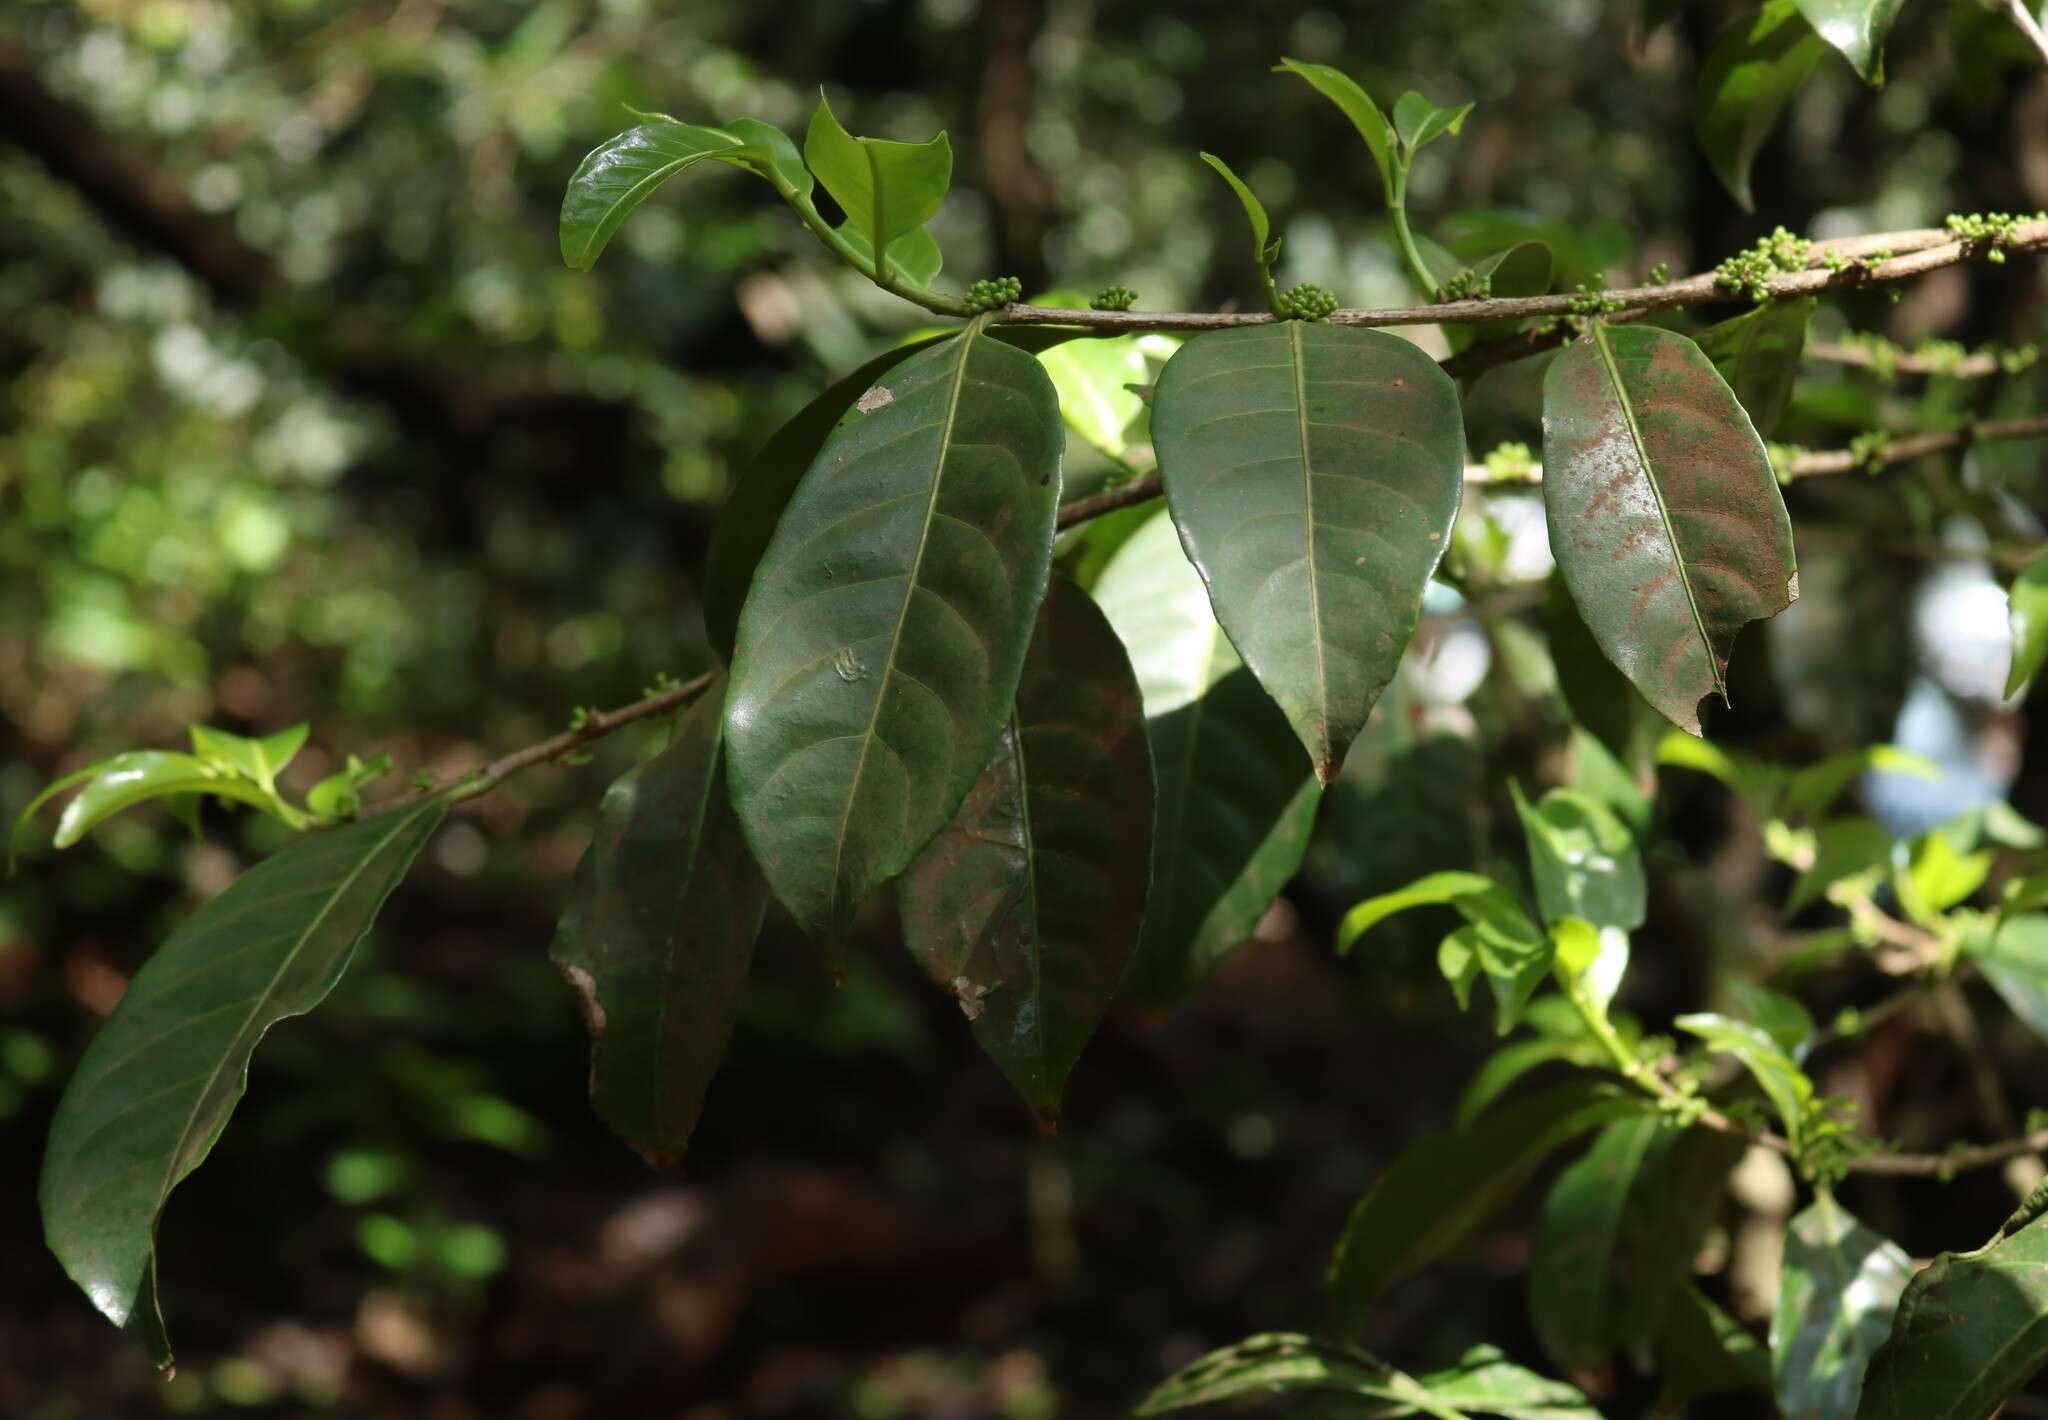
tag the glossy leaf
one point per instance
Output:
(1583, 860)
(1664, 514)
(623, 172)
(1747, 82)
(1572, 1267)
(1236, 799)
(748, 520)
(881, 642)
(1436, 889)
(2027, 615)
(157, 1084)
(1487, 1383)
(1028, 904)
(886, 189)
(658, 936)
(1343, 91)
(1758, 354)
(140, 776)
(1444, 1185)
(1314, 471)
(1838, 1288)
(1783, 1082)
(1969, 1330)
(1856, 28)
(1279, 1361)
(1094, 379)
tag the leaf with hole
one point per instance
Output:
(157, 1084)
(1837, 1290)
(658, 935)
(1664, 515)
(1027, 906)
(880, 644)
(1236, 799)
(1314, 472)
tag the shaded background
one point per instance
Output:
(305, 419)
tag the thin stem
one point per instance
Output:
(1418, 270)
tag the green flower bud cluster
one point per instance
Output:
(1750, 272)
(1113, 298)
(993, 295)
(1468, 286)
(1782, 457)
(1991, 230)
(1588, 303)
(1307, 301)
(1512, 463)
(1867, 450)
(1660, 274)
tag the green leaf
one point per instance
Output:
(1838, 1288)
(658, 935)
(880, 645)
(144, 774)
(1418, 122)
(1935, 877)
(1781, 1017)
(1759, 784)
(1703, 1351)
(1969, 1330)
(915, 255)
(2027, 615)
(340, 795)
(1341, 90)
(1598, 696)
(1811, 791)
(1444, 1185)
(1437, 889)
(256, 760)
(1094, 379)
(1284, 1361)
(2014, 959)
(1236, 799)
(1670, 1213)
(1314, 472)
(1509, 951)
(768, 152)
(1783, 1082)
(1486, 1382)
(886, 189)
(1857, 29)
(1758, 354)
(156, 1086)
(1574, 1261)
(623, 172)
(1524, 269)
(1583, 860)
(1510, 1063)
(1664, 514)
(1745, 85)
(1028, 904)
(1264, 243)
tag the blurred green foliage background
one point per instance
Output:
(304, 418)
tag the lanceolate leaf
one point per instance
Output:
(1782, 1081)
(1664, 514)
(1343, 91)
(2027, 614)
(1837, 1291)
(622, 173)
(1314, 471)
(1857, 28)
(1027, 905)
(1747, 82)
(158, 1083)
(1572, 1268)
(1444, 1185)
(885, 630)
(658, 936)
(1758, 353)
(1970, 1330)
(1235, 796)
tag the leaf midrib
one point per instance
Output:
(924, 538)
(1635, 434)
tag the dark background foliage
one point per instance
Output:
(305, 419)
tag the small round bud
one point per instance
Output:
(1113, 298)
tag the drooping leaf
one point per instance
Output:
(157, 1084)
(1499, 941)
(1435, 889)
(1444, 1185)
(1756, 65)
(623, 172)
(1969, 1330)
(658, 936)
(1236, 799)
(1783, 1082)
(748, 520)
(1343, 91)
(2027, 614)
(1857, 29)
(886, 189)
(1703, 1351)
(1572, 1267)
(1758, 355)
(1583, 860)
(1670, 1212)
(1028, 904)
(1838, 1288)
(1314, 471)
(882, 638)
(1664, 514)
(137, 777)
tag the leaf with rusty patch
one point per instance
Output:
(1664, 514)
(1236, 800)
(1028, 904)
(658, 935)
(1313, 471)
(879, 649)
